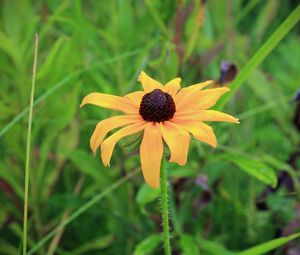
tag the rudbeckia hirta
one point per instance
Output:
(165, 114)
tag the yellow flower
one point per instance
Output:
(166, 113)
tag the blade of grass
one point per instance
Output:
(81, 210)
(269, 246)
(264, 107)
(157, 18)
(245, 11)
(262, 53)
(198, 23)
(27, 166)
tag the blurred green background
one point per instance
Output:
(241, 194)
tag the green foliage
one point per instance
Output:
(146, 195)
(148, 245)
(96, 244)
(76, 205)
(188, 245)
(256, 168)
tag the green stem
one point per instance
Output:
(164, 206)
(27, 169)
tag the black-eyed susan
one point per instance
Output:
(164, 113)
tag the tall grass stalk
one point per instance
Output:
(27, 165)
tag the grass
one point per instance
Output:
(27, 167)
(220, 201)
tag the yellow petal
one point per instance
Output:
(105, 126)
(185, 93)
(172, 86)
(178, 141)
(149, 84)
(136, 97)
(110, 101)
(151, 152)
(201, 132)
(203, 115)
(108, 145)
(202, 100)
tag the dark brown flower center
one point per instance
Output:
(157, 106)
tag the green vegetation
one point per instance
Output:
(241, 198)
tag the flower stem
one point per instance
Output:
(27, 168)
(164, 206)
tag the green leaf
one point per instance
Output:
(194, 23)
(7, 46)
(268, 246)
(188, 245)
(7, 248)
(213, 248)
(255, 168)
(148, 245)
(265, 18)
(146, 195)
(50, 60)
(13, 180)
(276, 163)
(89, 165)
(98, 243)
(132, 143)
(183, 171)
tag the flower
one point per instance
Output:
(164, 113)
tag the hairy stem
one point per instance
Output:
(164, 206)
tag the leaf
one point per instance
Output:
(132, 143)
(146, 195)
(50, 60)
(213, 248)
(7, 46)
(188, 245)
(89, 165)
(195, 23)
(148, 245)
(183, 171)
(265, 18)
(255, 168)
(9, 176)
(276, 163)
(268, 246)
(98, 243)
(7, 248)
